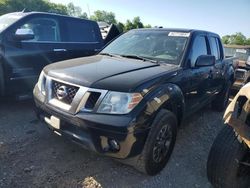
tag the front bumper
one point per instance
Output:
(96, 132)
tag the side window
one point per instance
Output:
(199, 48)
(215, 50)
(79, 31)
(220, 51)
(44, 29)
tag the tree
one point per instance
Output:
(104, 16)
(147, 26)
(247, 41)
(226, 39)
(129, 25)
(137, 23)
(121, 27)
(76, 11)
(237, 38)
(7, 6)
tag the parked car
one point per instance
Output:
(242, 65)
(229, 158)
(29, 41)
(128, 101)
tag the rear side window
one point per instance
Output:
(219, 48)
(215, 49)
(79, 31)
(44, 29)
(199, 48)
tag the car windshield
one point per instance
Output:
(7, 19)
(161, 46)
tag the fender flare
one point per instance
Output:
(170, 97)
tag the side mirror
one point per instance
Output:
(205, 60)
(24, 34)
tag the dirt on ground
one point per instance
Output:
(32, 156)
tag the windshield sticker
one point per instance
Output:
(243, 51)
(178, 34)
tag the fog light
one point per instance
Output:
(113, 145)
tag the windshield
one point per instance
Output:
(7, 19)
(242, 53)
(162, 46)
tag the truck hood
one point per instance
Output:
(104, 72)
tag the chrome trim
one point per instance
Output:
(79, 100)
(59, 50)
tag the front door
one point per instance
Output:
(26, 58)
(199, 78)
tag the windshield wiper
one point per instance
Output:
(107, 54)
(140, 58)
(110, 55)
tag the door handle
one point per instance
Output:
(59, 50)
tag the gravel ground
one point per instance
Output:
(32, 156)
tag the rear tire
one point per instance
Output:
(223, 169)
(159, 144)
(221, 101)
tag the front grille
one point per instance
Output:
(70, 91)
(92, 99)
(239, 74)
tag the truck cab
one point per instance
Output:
(30, 41)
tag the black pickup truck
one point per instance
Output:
(31, 40)
(128, 101)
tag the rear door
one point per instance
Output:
(81, 37)
(219, 68)
(25, 59)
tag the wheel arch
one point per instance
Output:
(169, 97)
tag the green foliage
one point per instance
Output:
(104, 16)
(225, 39)
(247, 41)
(76, 11)
(137, 23)
(147, 26)
(121, 27)
(128, 25)
(7, 6)
(237, 38)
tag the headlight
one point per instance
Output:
(41, 83)
(119, 103)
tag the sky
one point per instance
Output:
(219, 16)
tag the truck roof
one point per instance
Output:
(179, 30)
(45, 13)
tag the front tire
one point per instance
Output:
(223, 167)
(159, 144)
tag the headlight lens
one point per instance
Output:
(41, 83)
(119, 103)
